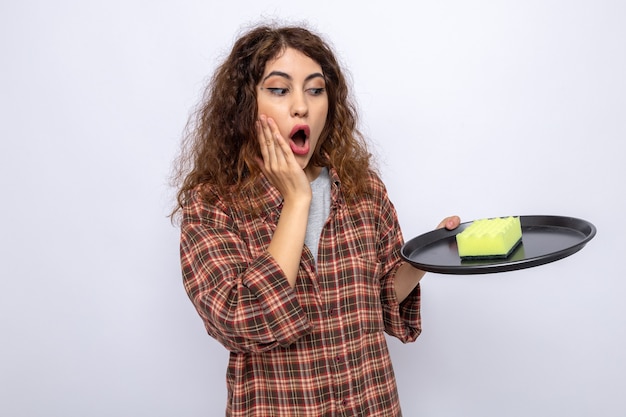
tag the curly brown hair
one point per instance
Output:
(220, 147)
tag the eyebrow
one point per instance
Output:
(287, 76)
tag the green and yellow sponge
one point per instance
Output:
(494, 238)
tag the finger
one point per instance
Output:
(262, 142)
(266, 131)
(266, 142)
(281, 147)
(450, 223)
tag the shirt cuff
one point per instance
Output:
(402, 320)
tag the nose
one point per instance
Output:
(299, 105)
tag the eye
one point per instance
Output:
(316, 91)
(277, 91)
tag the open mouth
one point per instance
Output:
(300, 139)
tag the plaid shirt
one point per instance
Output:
(318, 349)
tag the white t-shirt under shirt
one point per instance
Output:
(318, 212)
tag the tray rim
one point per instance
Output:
(586, 228)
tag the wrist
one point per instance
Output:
(298, 202)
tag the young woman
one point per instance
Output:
(290, 247)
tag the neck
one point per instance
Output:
(312, 172)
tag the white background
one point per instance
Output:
(480, 108)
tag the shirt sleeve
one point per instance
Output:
(246, 303)
(402, 320)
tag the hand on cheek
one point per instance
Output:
(278, 163)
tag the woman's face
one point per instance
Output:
(292, 91)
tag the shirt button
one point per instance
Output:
(339, 359)
(331, 312)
